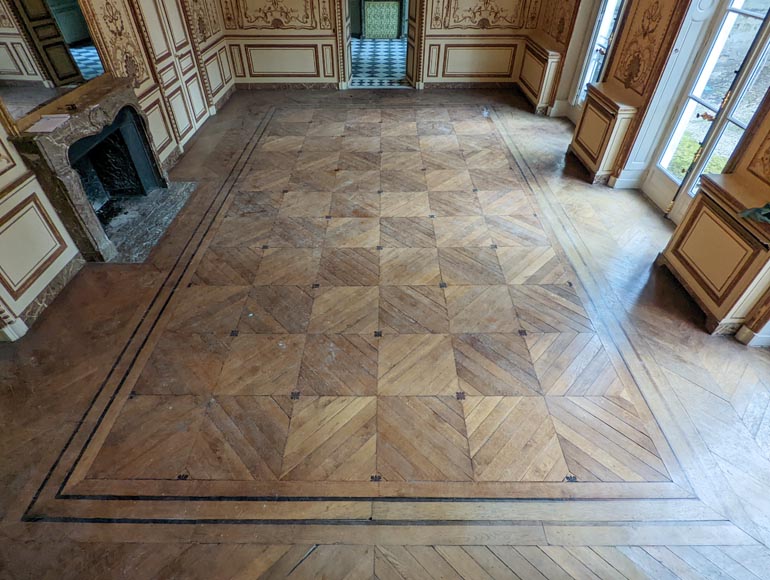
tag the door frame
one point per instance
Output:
(415, 42)
(31, 16)
(759, 47)
(658, 183)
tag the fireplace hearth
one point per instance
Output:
(101, 172)
(115, 163)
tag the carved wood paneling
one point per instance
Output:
(275, 14)
(118, 39)
(641, 47)
(17, 225)
(484, 14)
(556, 18)
(206, 20)
(760, 163)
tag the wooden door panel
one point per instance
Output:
(47, 41)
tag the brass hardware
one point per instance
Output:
(669, 207)
(706, 116)
(728, 94)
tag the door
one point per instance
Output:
(726, 92)
(47, 41)
(175, 64)
(414, 38)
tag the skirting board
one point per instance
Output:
(14, 331)
(751, 338)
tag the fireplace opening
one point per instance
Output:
(115, 165)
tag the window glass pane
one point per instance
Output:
(686, 140)
(603, 32)
(724, 148)
(752, 96)
(730, 48)
(758, 6)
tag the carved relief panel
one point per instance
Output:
(760, 164)
(484, 14)
(119, 42)
(556, 18)
(643, 37)
(6, 23)
(270, 14)
(206, 20)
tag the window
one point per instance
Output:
(727, 91)
(600, 46)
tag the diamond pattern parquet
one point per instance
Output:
(380, 303)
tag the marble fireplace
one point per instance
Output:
(99, 156)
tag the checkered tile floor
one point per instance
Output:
(379, 63)
(88, 61)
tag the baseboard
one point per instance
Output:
(629, 179)
(13, 331)
(561, 109)
(283, 86)
(224, 98)
(52, 290)
(751, 338)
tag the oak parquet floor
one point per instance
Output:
(379, 311)
(538, 400)
(395, 309)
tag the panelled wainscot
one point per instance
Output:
(721, 258)
(601, 130)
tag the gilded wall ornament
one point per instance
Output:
(125, 53)
(556, 17)
(760, 164)
(483, 14)
(436, 21)
(326, 22)
(533, 11)
(229, 13)
(640, 51)
(205, 19)
(277, 14)
(5, 19)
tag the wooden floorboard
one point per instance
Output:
(402, 343)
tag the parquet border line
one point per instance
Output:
(224, 195)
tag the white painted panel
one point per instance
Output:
(196, 97)
(24, 59)
(224, 59)
(532, 72)
(186, 62)
(26, 241)
(175, 22)
(475, 61)
(593, 130)
(179, 110)
(152, 19)
(168, 76)
(282, 60)
(214, 74)
(7, 64)
(157, 123)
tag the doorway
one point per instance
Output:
(732, 78)
(56, 33)
(74, 30)
(378, 45)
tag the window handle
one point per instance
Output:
(706, 116)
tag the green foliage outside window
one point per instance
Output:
(685, 153)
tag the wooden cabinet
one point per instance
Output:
(538, 76)
(720, 258)
(600, 132)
